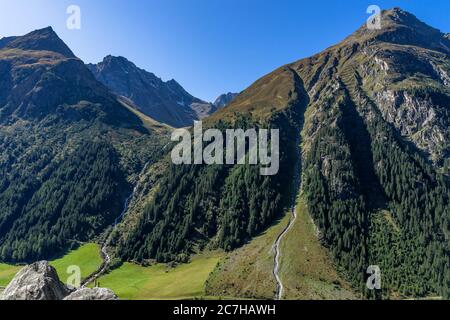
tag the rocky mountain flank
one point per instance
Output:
(225, 99)
(167, 102)
(39, 281)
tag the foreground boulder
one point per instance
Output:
(92, 294)
(38, 281)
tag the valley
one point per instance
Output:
(363, 127)
(133, 282)
(160, 281)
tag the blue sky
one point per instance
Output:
(209, 46)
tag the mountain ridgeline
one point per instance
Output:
(225, 99)
(70, 149)
(166, 102)
(371, 116)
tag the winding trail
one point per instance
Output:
(277, 245)
(104, 250)
(276, 268)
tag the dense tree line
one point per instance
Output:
(218, 206)
(73, 199)
(335, 200)
(419, 203)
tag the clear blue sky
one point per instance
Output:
(209, 46)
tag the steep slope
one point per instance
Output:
(39, 40)
(374, 121)
(166, 102)
(225, 204)
(70, 150)
(379, 112)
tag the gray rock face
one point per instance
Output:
(38, 281)
(418, 119)
(166, 102)
(92, 294)
(225, 99)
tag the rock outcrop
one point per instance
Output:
(40, 281)
(92, 294)
(419, 120)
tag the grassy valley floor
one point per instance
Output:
(248, 272)
(159, 282)
(7, 273)
(306, 268)
(86, 257)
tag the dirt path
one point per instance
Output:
(276, 268)
(293, 218)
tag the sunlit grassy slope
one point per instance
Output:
(87, 257)
(186, 281)
(248, 271)
(306, 268)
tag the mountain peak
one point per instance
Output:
(166, 102)
(400, 17)
(44, 39)
(45, 30)
(111, 58)
(225, 99)
(401, 27)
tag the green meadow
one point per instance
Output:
(131, 281)
(7, 272)
(87, 257)
(186, 281)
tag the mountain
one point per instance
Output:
(166, 102)
(225, 99)
(366, 125)
(70, 149)
(39, 40)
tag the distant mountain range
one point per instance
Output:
(166, 102)
(225, 99)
